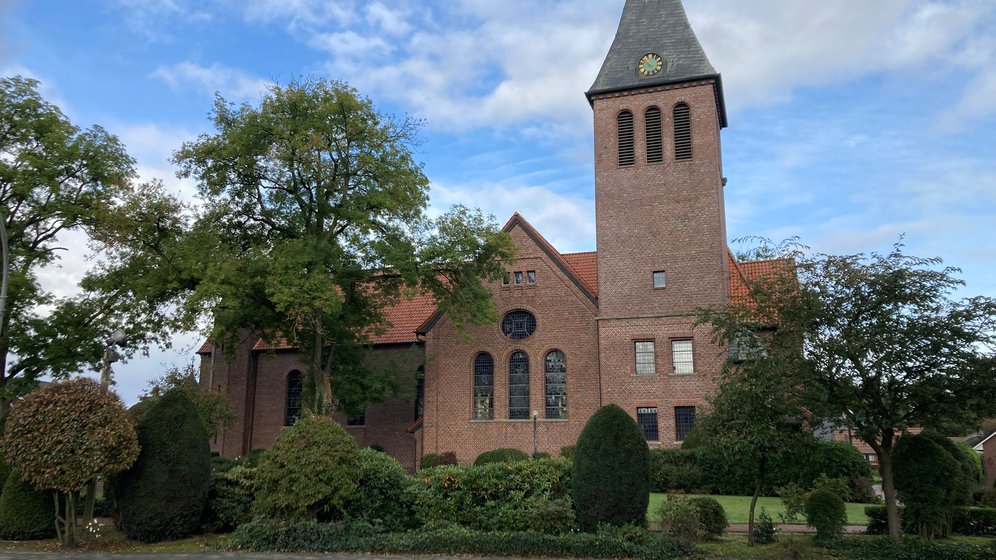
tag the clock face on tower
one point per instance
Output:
(651, 64)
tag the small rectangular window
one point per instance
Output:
(360, 420)
(518, 278)
(506, 279)
(646, 418)
(681, 357)
(684, 421)
(659, 279)
(645, 358)
(530, 277)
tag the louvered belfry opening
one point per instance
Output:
(655, 133)
(682, 132)
(627, 153)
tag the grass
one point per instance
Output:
(738, 508)
(734, 547)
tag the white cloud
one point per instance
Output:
(151, 19)
(234, 84)
(566, 221)
(389, 21)
(300, 14)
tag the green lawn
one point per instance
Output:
(738, 507)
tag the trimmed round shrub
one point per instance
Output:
(827, 513)
(162, 496)
(25, 513)
(611, 471)
(430, 460)
(679, 520)
(501, 455)
(309, 473)
(381, 495)
(711, 515)
(927, 480)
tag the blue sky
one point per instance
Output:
(851, 122)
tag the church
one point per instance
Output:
(576, 330)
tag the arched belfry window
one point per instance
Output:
(682, 132)
(627, 153)
(518, 386)
(655, 135)
(555, 369)
(292, 408)
(484, 387)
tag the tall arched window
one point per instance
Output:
(555, 368)
(655, 135)
(627, 153)
(292, 408)
(518, 386)
(682, 132)
(484, 387)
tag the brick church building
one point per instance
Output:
(576, 330)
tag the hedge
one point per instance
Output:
(525, 495)
(25, 513)
(969, 521)
(712, 470)
(501, 455)
(271, 536)
(912, 549)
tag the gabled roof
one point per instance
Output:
(585, 265)
(979, 446)
(658, 27)
(562, 261)
(742, 273)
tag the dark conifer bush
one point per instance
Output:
(25, 513)
(163, 495)
(611, 472)
(827, 513)
(928, 480)
(501, 455)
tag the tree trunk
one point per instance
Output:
(884, 452)
(762, 467)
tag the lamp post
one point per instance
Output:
(535, 433)
(117, 338)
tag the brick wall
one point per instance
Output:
(989, 461)
(565, 322)
(256, 386)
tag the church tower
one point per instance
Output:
(661, 233)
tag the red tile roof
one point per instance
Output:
(585, 267)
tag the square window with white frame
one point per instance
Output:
(645, 357)
(681, 357)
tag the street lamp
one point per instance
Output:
(117, 338)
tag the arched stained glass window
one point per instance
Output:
(292, 408)
(484, 387)
(555, 369)
(518, 386)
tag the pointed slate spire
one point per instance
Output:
(654, 27)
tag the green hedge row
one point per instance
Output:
(525, 495)
(271, 536)
(967, 521)
(912, 549)
(713, 470)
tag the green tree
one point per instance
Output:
(755, 413)
(212, 408)
(163, 494)
(610, 476)
(54, 178)
(65, 435)
(316, 217)
(886, 346)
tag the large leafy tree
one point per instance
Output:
(886, 346)
(314, 221)
(755, 413)
(54, 178)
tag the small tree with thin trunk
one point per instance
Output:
(65, 435)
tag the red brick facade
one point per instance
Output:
(591, 307)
